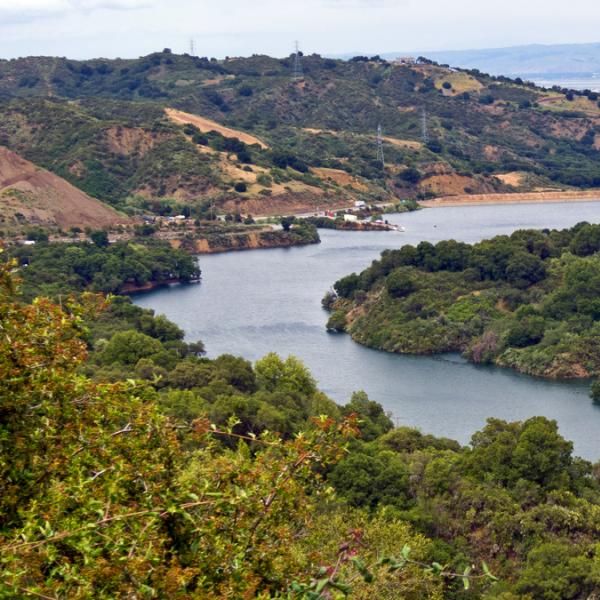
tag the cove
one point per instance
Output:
(254, 302)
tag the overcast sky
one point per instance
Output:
(130, 28)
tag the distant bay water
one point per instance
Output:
(571, 82)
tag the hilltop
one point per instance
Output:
(35, 196)
(165, 131)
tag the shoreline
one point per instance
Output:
(516, 198)
(133, 288)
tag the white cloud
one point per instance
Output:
(28, 10)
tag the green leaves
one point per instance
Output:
(487, 572)
(362, 569)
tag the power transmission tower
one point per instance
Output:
(297, 74)
(424, 129)
(192, 47)
(380, 155)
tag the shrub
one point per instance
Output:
(526, 332)
(410, 175)
(400, 284)
(337, 321)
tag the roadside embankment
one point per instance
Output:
(525, 197)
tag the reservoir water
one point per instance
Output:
(254, 302)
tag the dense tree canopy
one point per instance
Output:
(52, 269)
(219, 478)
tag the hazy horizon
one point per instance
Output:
(84, 29)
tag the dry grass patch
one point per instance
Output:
(207, 125)
(515, 178)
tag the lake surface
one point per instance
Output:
(254, 302)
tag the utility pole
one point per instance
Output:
(297, 74)
(192, 47)
(380, 155)
(424, 129)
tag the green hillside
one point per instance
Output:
(101, 124)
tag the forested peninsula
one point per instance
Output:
(530, 301)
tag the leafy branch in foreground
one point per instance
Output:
(330, 584)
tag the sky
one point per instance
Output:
(131, 28)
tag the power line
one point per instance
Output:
(297, 74)
(424, 128)
(380, 155)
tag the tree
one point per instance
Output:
(524, 269)
(287, 222)
(533, 451)
(595, 391)
(128, 347)
(346, 286)
(400, 284)
(100, 238)
(100, 500)
(37, 234)
(586, 240)
(410, 175)
(240, 187)
(526, 332)
(289, 375)
(373, 420)
(190, 374)
(337, 321)
(369, 481)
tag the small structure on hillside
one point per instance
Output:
(350, 218)
(404, 60)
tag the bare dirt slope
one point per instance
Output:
(30, 195)
(206, 125)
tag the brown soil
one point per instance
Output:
(244, 241)
(567, 128)
(404, 143)
(46, 199)
(216, 80)
(130, 140)
(449, 185)
(319, 131)
(492, 152)
(547, 196)
(206, 125)
(514, 178)
(339, 177)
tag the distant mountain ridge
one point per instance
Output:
(531, 60)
